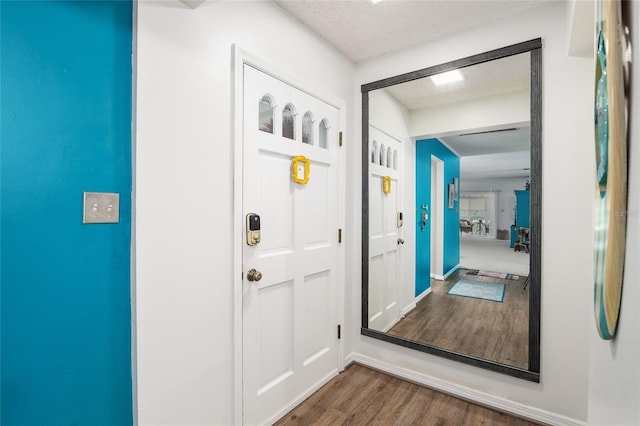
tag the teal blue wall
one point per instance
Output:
(451, 256)
(65, 128)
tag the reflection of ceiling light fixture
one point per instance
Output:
(374, 1)
(447, 77)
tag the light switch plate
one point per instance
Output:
(101, 207)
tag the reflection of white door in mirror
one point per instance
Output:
(384, 233)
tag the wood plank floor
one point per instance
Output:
(362, 396)
(485, 329)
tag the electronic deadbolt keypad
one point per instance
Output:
(253, 229)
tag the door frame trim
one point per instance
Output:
(436, 251)
(241, 57)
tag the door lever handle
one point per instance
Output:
(400, 241)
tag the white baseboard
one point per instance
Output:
(391, 324)
(451, 271)
(408, 309)
(445, 276)
(422, 295)
(412, 306)
(293, 404)
(475, 396)
(350, 359)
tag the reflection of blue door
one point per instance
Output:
(523, 197)
(522, 208)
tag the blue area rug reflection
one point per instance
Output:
(478, 290)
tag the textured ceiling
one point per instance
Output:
(486, 153)
(362, 30)
(510, 74)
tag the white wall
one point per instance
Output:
(388, 115)
(614, 370)
(184, 189)
(184, 197)
(490, 111)
(566, 247)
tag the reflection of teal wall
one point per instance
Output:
(451, 256)
(65, 129)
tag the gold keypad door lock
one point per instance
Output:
(254, 275)
(253, 229)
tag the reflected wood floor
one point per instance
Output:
(362, 396)
(489, 330)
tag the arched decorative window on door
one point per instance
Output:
(265, 114)
(289, 122)
(307, 128)
(324, 133)
(395, 159)
(389, 158)
(374, 152)
(383, 155)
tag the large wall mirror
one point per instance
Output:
(451, 162)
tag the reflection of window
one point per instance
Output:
(383, 155)
(307, 128)
(374, 153)
(474, 207)
(324, 133)
(265, 115)
(288, 122)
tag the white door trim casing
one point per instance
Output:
(241, 57)
(437, 218)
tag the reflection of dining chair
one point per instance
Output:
(486, 223)
(465, 226)
(481, 227)
(523, 240)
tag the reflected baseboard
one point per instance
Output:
(445, 276)
(481, 398)
(420, 297)
(392, 324)
(407, 309)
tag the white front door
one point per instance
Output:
(290, 315)
(385, 160)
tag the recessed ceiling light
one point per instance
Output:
(374, 1)
(447, 77)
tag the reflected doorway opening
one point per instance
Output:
(437, 217)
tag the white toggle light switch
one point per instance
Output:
(101, 207)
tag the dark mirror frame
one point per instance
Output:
(535, 48)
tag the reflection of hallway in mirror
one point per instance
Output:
(495, 331)
(490, 254)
